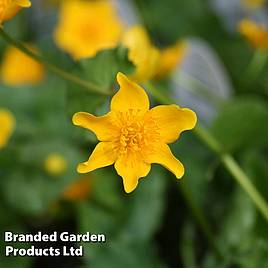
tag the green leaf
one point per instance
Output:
(131, 219)
(239, 222)
(102, 69)
(255, 164)
(187, 245)
(118, 254)
(28, 188)
(238, 238)
(12, 222)
(240, 124)
(161, 18)
(145, 210)
(196, 160)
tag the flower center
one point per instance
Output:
(137, 132)
(89, 31)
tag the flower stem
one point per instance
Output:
(255, 66)
(235, 170)
(58, 71)
(228, 161)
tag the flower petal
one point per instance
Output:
(102, 126)
(129, 96)
(162, 155)
(141, 52)
(131, 169)
(7, 126)
(103, 155)
(23, 3)
(9, 12)
(170, 57)
(172, 120)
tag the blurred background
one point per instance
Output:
(211, 57)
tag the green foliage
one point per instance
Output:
(132, 224)
(42, 128)
(137, 225)
(240, 124)
(161, 18)
(102, 69)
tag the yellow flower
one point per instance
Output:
(19, 69)
(79, 190)
(7, 126)
(253, 3)
(256, 34)
(170, 57)
(55, 164)
(141, 52)
(86, 27)
(132, 137)
(9, 8)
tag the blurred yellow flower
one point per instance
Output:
(253, 3)
(255, 33)
(79, 190)
(19, 69)
(86, 27)
(141, 52)
(9, 8)
(7, 126)
(170, 57)
(55, 164)
(132, 137)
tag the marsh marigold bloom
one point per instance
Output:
(7, 125)
(9, 8)
(55, 164)
(255, 33)
(170, 57)
(19, 69)
(253, 3)
(79, 190)
(142, 53)
(132, 137)
(86, 27)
